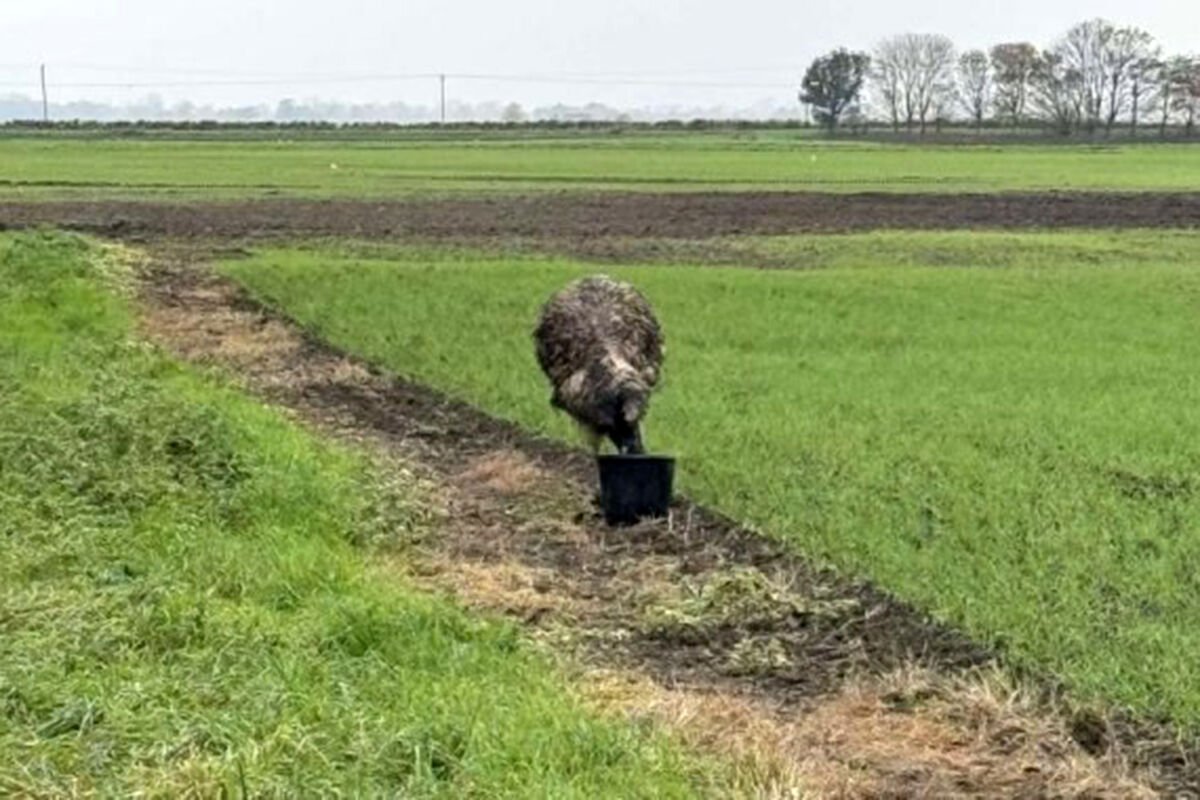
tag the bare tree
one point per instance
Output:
(915, 73)
(1123, 51)
(1095, 63)
(1185, 91)
(886, 84)
(1013, 65)
(1082, 54)
(1055, 92)
(1168, 85)
(1145, 82)
(975, 84)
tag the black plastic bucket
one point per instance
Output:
(635, 487)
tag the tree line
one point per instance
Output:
(1096, 77)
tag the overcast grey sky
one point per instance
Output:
(765, 42)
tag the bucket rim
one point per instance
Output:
(627, 457)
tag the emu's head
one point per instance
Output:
(620, 415)
(618, 399)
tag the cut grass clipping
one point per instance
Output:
(1014, 448)
(182, 612)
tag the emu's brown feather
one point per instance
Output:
(602, 349)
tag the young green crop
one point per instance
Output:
(1014, 448)
(182, 612)
(48, 167)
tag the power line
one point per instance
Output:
(575, 79)
(481, 77)
(169, 70)
(644, 73)
(241, 82)
(224, 78)
(254, 75)
(584, 81)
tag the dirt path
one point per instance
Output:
(805, 679)
(582, 216)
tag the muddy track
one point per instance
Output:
(582, 216)
(702, 610)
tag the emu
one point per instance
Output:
(602, 349)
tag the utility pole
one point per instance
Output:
(45, 97)
(442, 79)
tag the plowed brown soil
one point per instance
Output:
(573, 216)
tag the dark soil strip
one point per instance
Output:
(829, 630)
(573, 215)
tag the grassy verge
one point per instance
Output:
(1012, 448)
(183, 611)
(46, 167)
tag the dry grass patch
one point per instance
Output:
(507, 587)
(907, 734)
(505, 472)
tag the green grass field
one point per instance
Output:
(189, 608)
(1001, 428)
(39, 167)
